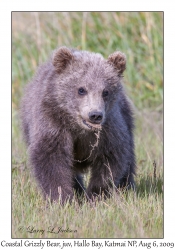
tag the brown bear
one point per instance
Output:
(75, 116)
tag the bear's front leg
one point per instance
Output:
(52, 164)
(102, 179)
(108, 174)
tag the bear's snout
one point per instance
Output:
(95, 117)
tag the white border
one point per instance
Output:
(5, 93)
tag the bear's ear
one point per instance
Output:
(61, 58)
(118, 61)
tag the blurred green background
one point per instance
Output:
(137, 34)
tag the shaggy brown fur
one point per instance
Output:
(75, 116)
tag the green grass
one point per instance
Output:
(140, 36)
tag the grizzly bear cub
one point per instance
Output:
(76, 116)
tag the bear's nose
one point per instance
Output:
(95, 117)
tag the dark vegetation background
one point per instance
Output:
(140, 36)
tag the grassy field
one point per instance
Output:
(140, 36)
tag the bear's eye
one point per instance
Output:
(105, 93)
(82, 91)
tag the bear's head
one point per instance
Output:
(87, 84)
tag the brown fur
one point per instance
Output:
(75, 116)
